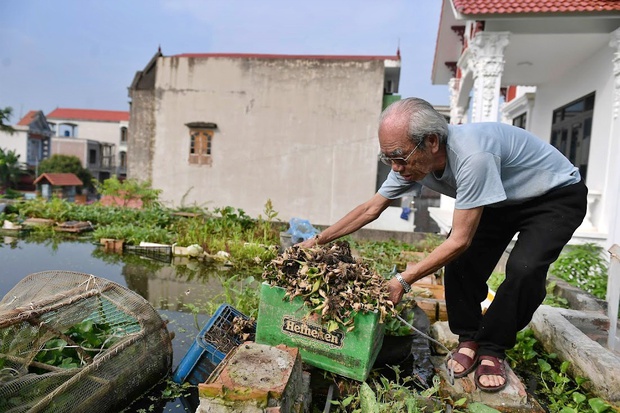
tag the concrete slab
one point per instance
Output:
(569, 334)
(440, 331)
(512, 399)
(257, 378)
(577, 298)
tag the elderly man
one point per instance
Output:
(505, 181)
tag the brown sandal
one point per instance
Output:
(464, 360)
(497, 369)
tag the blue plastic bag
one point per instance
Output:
(301, 230)
(405, 213)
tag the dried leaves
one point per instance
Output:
(244, 329)
(331, 283)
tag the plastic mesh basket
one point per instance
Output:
(211, 346)
(73, 342)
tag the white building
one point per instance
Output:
(31, 140)
(552, 68)
(97, 137)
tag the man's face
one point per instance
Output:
(411, 161)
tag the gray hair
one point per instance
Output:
(424, 120)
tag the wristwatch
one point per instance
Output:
(402, 282)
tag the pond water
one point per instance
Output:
(172, 288)
(169, 287)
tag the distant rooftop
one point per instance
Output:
(29, 117)
(59, 179)
(89, 114)
(287, 56)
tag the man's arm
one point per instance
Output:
(464, 225)
(351, 222)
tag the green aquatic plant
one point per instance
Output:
(394, 326)
(133, 234)
(77, 345)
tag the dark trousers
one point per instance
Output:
(545, 225)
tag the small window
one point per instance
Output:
(92, 156)
(123, 134)
(520, 121)
(67, 130)
(201, 141)
(123, 159)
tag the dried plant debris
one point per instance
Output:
(221, 339)
(244, 329)
(331, 283)
(228, 335)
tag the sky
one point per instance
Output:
(84, 53)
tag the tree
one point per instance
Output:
(66, 164)
(5, 115)
(10, 170)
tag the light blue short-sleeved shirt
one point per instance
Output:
(492, 164)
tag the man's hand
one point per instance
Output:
(309, 243)
(396, 290)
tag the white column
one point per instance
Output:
(486, 62)
(614, 42)
(457, 113)
(613, 172)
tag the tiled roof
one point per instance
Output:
(287, 56)
(25, 121)
(60, 179)
(89, 114)
(474, 7)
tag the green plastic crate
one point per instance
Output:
(350, 354)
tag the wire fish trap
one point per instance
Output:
(73, 342)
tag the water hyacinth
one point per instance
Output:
(332, 283)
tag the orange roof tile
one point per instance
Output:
(60, 179)
(474, 7)
(89, 114)
(25, 121)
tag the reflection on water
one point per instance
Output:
(169, 287)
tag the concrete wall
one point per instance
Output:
(592, 75)
(17, 142)
(141, 135)
(301, 132)
(96, 130)
(71, 147)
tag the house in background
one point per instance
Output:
(59, 185)
(96, 156)
(238, 129)
(552, 68)
(97, 137)
(31, 141)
